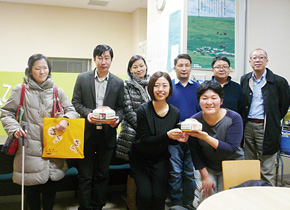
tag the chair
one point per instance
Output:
(236, 172)
(284, 151)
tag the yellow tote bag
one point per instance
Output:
(67, 144)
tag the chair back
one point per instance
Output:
(235, 172)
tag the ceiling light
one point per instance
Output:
(98, 3)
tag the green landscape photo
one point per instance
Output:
(209, 37)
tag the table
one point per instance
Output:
(249, 198)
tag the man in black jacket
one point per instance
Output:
(93, 89)
(265, 103)
(233, 91)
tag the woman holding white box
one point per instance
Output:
(220, 139)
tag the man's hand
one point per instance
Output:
(89, 118)
(113, 124)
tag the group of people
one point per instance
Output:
(240, 121)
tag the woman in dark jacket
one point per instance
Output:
(135, 94)
(156, 129)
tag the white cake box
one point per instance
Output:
(104, 113)
(191, 125)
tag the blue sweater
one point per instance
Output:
(184, 98)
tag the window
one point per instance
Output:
(72, 65)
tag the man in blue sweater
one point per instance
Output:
(181, 180)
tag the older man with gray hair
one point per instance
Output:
(265, 103)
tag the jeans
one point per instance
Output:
(181, 180)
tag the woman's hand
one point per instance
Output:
(207, 183)
(205, 137)
(184, 138)
(207, 186)
(198, 134)
(62, 125)
(19, 133)
(177, 134)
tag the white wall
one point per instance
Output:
(66, 32)
(157, 33)
(139, 27)
(268, 27)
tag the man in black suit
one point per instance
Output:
(93, 89)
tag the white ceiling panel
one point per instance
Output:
(108, 5)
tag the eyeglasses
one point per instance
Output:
(221, 67)
(261, 57)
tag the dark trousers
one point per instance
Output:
(151, 179)
(94, 173)
(48, 191)
(253, 146)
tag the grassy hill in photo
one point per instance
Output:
(209, 37)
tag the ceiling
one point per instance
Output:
(108, 5)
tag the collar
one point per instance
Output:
(176, 81)
(262, 78)
(228, 79)
(97, 77)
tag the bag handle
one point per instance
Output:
(21, 100)
(56, 103)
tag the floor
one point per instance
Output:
(68, 201)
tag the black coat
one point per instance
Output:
(276, 103)
(84, 101)
(135, 94)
